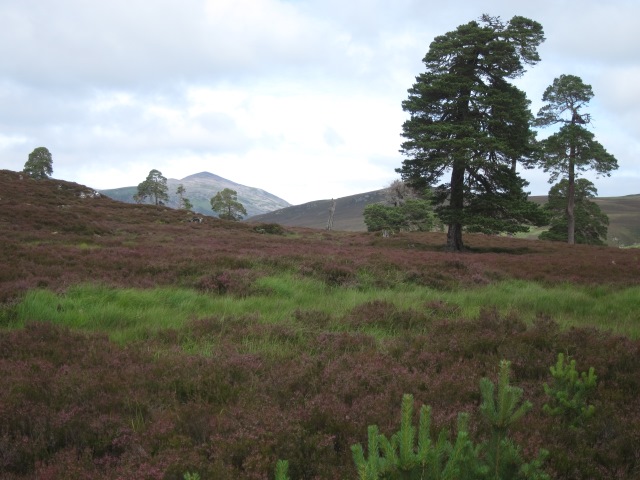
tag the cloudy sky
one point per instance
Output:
(301, 98)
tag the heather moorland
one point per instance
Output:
(137, 344)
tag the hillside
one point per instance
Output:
(201, 187)
(348, 215)
(137, 344)
(44, 225)
(623, 212)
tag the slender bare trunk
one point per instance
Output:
(571, 198)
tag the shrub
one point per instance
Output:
(570, 391)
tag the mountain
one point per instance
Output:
(623, 213)
(204, 185)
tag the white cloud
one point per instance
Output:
(301, 98)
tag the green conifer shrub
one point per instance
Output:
(570, 391)
(411, 453)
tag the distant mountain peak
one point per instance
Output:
(206, 176)
(200, 187)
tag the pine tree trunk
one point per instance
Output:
(571, 198)
(454, 238)
(454, 235)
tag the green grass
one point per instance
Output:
(130, 314)
(569, 305)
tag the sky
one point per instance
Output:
(301, 98)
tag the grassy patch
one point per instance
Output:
(569, 305)
(129, 314)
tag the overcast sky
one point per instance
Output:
(301, 98)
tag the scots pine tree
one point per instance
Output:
(469, 123)
(183, 202)
(227, 205)
(573, 149)
(39, 165)
(154, 187)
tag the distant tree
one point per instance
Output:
(590, 221)
(467, 121)
(183, 202)
(39, 165)
(573, 149)
(226, 204)
(154, 187)
(399, 192)
(403, 209)
(413, 215)
(379, 217)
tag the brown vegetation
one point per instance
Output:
(55, 234)
(76, 405)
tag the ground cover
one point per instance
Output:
(134, 344)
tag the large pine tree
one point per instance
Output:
(469, 123)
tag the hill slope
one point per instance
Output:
(623, 212)
(348, 215)
(200, 187)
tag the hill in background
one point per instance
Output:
(204, 185)
(623, 212)
(348, 215)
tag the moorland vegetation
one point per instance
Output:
(136, 344)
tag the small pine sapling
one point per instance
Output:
(282, 470)
(500, 412)
(570, 391)
(405, 457)
(401, 458)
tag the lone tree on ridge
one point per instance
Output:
(154, 187)
(39, 165)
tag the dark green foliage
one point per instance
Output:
(588, 154)
(154, 187)
(270, 228)
(227, 205)
(573, 149)
(378, 217)
(590, 222)
(411, 215)
(570, 392)
(467, 120)
(39, 165)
